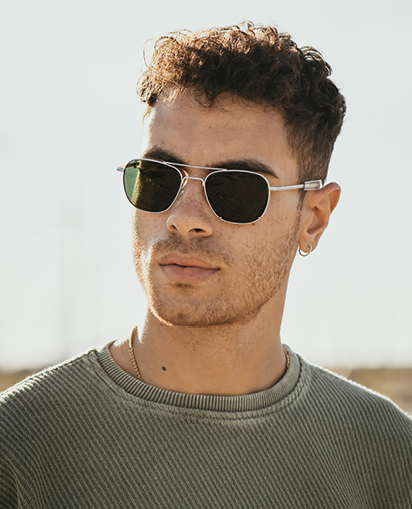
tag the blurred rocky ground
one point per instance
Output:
(394, 383)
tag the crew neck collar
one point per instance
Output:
(242, 403)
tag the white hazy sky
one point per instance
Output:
(69, 115)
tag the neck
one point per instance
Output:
(222, 360)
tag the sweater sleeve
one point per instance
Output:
(8, 484)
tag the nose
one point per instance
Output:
(191, 215)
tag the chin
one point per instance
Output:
(198, 315)
(178, 317)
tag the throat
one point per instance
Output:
(190, 360)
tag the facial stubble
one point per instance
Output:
(237, 297)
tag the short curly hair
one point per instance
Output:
(256, 63)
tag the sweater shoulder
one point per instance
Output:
(345, 400)
(37, 399)
(49, 378)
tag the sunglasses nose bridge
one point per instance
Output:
(183, 185)
(185, 181)
(186, 178)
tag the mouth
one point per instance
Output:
(186, 268)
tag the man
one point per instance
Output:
(203, 406)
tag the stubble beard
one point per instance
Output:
(263, 270)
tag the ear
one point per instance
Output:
(316, 210)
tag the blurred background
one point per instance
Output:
(69, 115)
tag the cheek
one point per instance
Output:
(137, 253)
(282, 213)
(273, 238)
(141, 242)
(145, 228)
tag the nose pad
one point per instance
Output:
(185, 181)
(182, 190)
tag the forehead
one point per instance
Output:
(231, 130)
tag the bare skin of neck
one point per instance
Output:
(226, 360)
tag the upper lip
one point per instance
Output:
(185, 260)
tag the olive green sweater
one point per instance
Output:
(85, 434)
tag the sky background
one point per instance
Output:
(69, 116)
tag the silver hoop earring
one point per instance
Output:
(305, 253)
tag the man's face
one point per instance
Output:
(195, 269)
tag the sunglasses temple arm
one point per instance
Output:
(312, 185)
(120, 168)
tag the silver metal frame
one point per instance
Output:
(312, 185)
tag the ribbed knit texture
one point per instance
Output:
(85, 434)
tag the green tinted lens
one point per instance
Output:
(150, 185)
(237, 196)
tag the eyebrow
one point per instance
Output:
(230, 164)
(248, 164)
(162, 155)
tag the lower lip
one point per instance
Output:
(188, 274)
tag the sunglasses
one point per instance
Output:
(235, 196)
